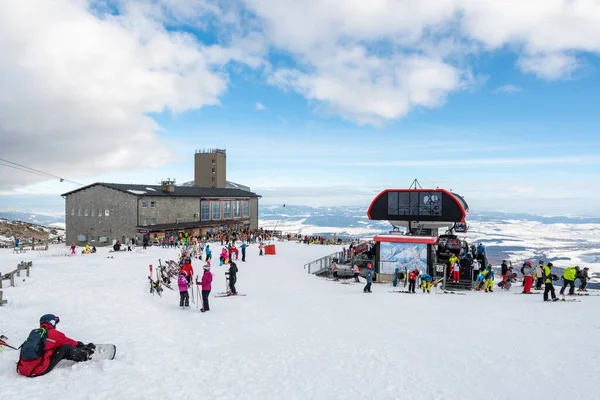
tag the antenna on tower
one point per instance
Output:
(414, 185)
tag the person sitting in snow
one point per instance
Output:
(57, 347)
(426, 280)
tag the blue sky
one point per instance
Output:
(320, 116)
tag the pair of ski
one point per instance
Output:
(101, 352)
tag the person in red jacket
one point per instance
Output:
(189, 270)
(58, 347)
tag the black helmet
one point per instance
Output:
(50, 319)
(550, 264)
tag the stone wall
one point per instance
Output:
(118, 215)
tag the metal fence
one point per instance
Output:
(10, 276)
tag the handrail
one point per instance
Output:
(11, 276)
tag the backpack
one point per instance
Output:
(33, 347)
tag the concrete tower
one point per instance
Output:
(210, 168)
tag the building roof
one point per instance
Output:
(180, 191)
(405, 239)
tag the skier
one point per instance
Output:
(504, 270)
(182, 282)
(488, 275)
(57, 347)
(334, 268)
(412, 280)
(208, 253)
(548, 282)
(356, 273)
(527, 278)
(206, 287)
(232, 274)
(426, 280)
(260, 247)
(73, 247)
(480, 281)
(451, 261)
(189, 270)
(456, 272)
(539, 274)
(369, 276)
(476, 267)
(569, 276)
(243, 247)
(583, 278)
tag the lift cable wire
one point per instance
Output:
(25, 168)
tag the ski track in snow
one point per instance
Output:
(295, 336)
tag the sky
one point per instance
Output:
(317, 102)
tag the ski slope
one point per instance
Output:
(294, 336)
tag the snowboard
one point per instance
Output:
(104, 352)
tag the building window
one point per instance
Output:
(237, 211)
(152, 204)
(85, 212)
(144, 203)
(216, 209)
(245, 208)
(145, 222)
(93, 238)
(213, 170)
(106, 213)
(226, 209)
(152, 221)
(79, 212)
(92, 213)
(99, 213)
(72, 211)
(213, 161)
(205, 211)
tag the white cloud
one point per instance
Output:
(508, 88)
(375, 61)
(549, 66)
(259, 106)
(78, 86)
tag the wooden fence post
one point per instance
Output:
(28, 267)
(12, 279)
(1, 300)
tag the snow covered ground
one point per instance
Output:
(295, 336)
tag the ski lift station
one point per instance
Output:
(417, 217)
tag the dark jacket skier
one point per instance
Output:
(504, 270)
(583, 278)
(232, 273)
(549, 287)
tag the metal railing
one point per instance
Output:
(22, 266)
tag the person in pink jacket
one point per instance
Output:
(206, 283)
(184, 296)
(356, 273)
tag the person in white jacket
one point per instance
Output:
(539, 275)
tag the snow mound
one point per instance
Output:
(136, 191)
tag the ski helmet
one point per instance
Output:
(50, 319)
(528, 263)
(369, 266)
(206, 267)
(550, 264)
(540, 262)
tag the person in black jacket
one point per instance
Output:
(232, 274)
(504, 270)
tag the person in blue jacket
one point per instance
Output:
(395, 281)
(426, 280)
(480, 281)
(369, 276)
(243, 247)
(208, 253)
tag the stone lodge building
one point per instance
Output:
(100, 213)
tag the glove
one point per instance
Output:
(91, 347)
(80, 345)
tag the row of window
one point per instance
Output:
(145, 204)
(211, 210)
(89, 213)
(152, 221)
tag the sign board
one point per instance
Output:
(460, 227)
(142, 231)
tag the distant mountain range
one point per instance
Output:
(45, 219)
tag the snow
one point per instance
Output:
(136, 191)
(295, 336)
(60, 225)
(150, 189)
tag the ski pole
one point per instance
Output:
(4, 344)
